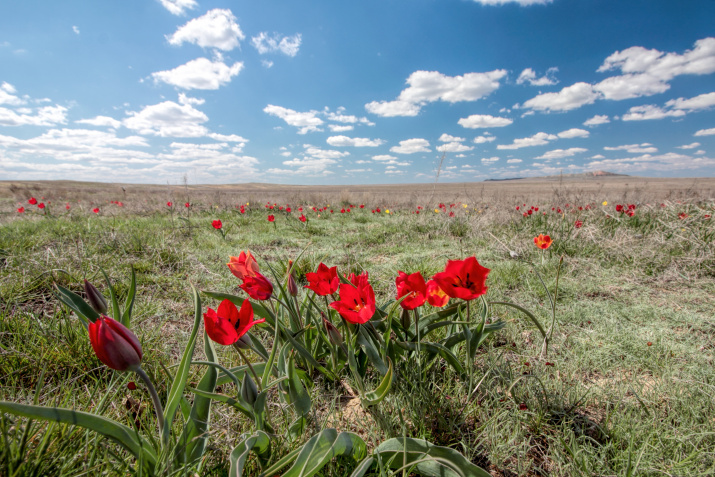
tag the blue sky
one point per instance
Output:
(377, 91)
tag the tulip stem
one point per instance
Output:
(155, 399)
(250, 366)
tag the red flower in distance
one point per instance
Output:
(271, 218)
(324, 281)
(619, 208)
(132, 386)
(114, 344)
(169, 204)
(20, 210)
(228, 324)
(41, 205)
(67, 206)
(95, 210)
(32, 201)
(578, 224)
(413, 287)
(465, 279)
(302, 218)
(543, 241)
(187, 205)
(243, 266)
(356, 305)
(217, 224)
(257, 286)
(435, 295)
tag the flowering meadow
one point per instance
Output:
(357, 337)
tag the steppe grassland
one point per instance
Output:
(632, 378)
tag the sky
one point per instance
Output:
(369, 92)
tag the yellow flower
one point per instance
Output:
(387, 211)
(247, 203)
(464, 205)
(605, 202)
(436, 211)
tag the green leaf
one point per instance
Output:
(259, 442)
(240, 406)
(129, 302)
(298, 394)
(364, 340)
(319, 450)
(116, 312)
(373, 397)
(182, 373)
(427, 459)
(460, 336)
(119, 433)
(434, 349)
(525, 311)
(85, 312)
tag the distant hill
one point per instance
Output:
(582, 176)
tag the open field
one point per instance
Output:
(625, 388)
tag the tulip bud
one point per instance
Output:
(405, 319)
(114, 344)
(292, 286)
(333, 333)
(95, 298)
(244, 342)
(249, 391)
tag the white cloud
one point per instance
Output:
(538, 139)
(596, 120)
(454, 147)
(528, 75)
(447, 138)
(650, 111)
(318, 153)
(705, 132)
(429, 86)
(183, 99)
(411, 146)
(215, 29)
(484, 139)
(306, 122)
(645, 148)
(489, 160)
(227, 137)
(267, 63)
(573, 132)
(45, 116)
(343, 141)
(514, 161)
(179, 7)
(561, 153)
(689, 146)
(75, 29)
(703, 101)
(570, 97)
(476, 121)
(340, 128)
(168, 119)
(384, 157)
(200, 73)
(523, 3)
(670, 162)
(101, 121)
(274, 43)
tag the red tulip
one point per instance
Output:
(358, 280)
(169, 204)
(271, 218)
(187, 205)
(435, 295)
(20, 210)
(257, 286)
(228, 324)
(67, 206)
(578, 224)
(463, 279)
(243, 266)
(543, 241)
(32, 201)
(324, 281)
(41, 205)
(302, 218)
(356, 305)
(217, 224)
(413, 287)
(114, 344)
(95, 210)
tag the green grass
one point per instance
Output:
(602, 402)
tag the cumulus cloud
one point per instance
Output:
(650, 111)
(200, 73)
(411, 146)
(215, 29)
(561, 153)
(305, 121)
(670, 162)
(476, 121)
(697, 103)
(514, 161)
(447, 138)
(454, 147)
(45, 116)
(319, 153)
(596, 120)
(384, 157)
(490, 160)
(168, 119)
(538, 139)
(484, 139)
(274, 43)
(340, 128)
(343, 141)
(7, 95)
(645, 148)
(573, 132)
(430, 86)
(75, 29)
(690, 146)
(179, 7)
(105, 121)
(529, 76)
(705, 132)
(570, 97)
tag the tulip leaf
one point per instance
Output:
(296, 391)
(427, 459)
(439, 315)
(525, 311)
(259, 412)
(182, 373)
(373, 355)
(318, 451)
(460, 336)
(240, 406)
(363, 467)
(129, 302)
(259, 442)
(116, 312)
(434, 349)
(84, 312)
(119, 433)
(373, 397)
(238, 373)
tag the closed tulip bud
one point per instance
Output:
(249, 391)
(292, 286)
(244, 342)
(95, 298)
(114, 344)
(405, 319)
(333, 334)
